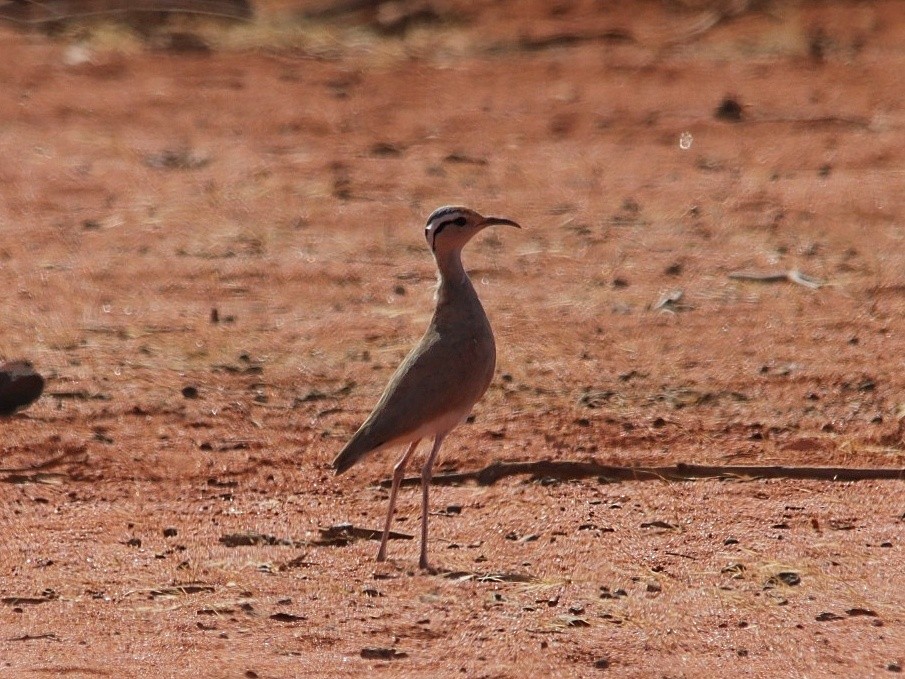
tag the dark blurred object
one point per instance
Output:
(183, 42)
(20, 385)
(730, 110)
(390, 17)
(54, 13)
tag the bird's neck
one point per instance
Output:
(452, 275)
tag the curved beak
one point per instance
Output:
(492, 221)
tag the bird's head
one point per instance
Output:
(451, 227)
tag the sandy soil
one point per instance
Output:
(284, 183)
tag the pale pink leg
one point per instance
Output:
(398, 473)
(426, 472)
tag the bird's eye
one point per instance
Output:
(460, 221)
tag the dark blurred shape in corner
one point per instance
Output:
(31, 13)
(20, 386)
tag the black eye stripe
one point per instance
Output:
(458, 221)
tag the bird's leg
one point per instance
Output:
(426, 472)
(398, 473)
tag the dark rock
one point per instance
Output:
(20, 386)
(729, 110)
(372, 653)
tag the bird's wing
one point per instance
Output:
(435, 387)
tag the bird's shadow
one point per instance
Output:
(454, 574)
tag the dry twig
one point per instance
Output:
(569, 469)
(793, 275)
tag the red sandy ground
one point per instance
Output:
(300, 220)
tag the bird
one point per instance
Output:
(435, 387)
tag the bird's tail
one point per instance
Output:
(348, 456)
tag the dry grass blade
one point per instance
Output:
(793, 276)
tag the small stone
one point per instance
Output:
(790, 578)
(20, 386)
(190, 392)
(605, 593)
(729, 110)
(287, 617)
(371, 653)
(170, 532)
(861, 611)
(574, 621)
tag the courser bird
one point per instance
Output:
(438, 383)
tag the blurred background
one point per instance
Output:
(710, 191)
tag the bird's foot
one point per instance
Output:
(427, 568)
